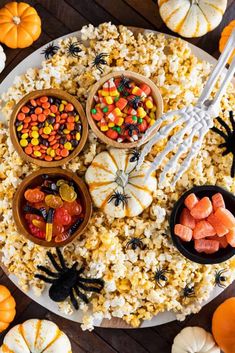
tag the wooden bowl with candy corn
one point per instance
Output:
(48, 127)
(52, 207)
(121, 106)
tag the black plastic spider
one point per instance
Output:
(135, 102)
(125, 83)
(188, 291)
(50, 50)
(131, 128)
(68, 280)
(99, 60)
(135, 243)
(229, 138)
(219, 279)
(73, 48)
(118, 198)
(135, 155)
(160, 276)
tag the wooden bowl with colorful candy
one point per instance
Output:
(48, 127)
(52, 207)
(122, 106)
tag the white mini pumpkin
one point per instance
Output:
(192, 18)
(112, 173)
(2, 58)
(36, 336)
(194, 340)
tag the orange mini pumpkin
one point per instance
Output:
(224, 38)
(223, 327)
(7, 308)
(20, 25)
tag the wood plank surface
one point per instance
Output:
(60, 17)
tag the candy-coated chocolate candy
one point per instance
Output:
(48, 122)
(23, 142)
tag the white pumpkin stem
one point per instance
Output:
(16, 20)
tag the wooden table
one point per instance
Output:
(60, 17)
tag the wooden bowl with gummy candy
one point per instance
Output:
(35, 180)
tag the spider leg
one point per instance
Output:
(47, 271)
(231, 118)
(222, 145)
(73, 299)
(224, 153)
(89, 288)
(92, 280)
(45, 279)
(61, 258)
(99, 67)
(219, 132)
(221, 285)
(233, 167)
(81, 295)
(221, 271)
(81, 270)
(53, 261)
(75, 265)
(224, 124)
(158, 282)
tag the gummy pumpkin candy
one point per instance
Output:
(223, 325)
(7, 308)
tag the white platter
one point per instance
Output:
(34, 60)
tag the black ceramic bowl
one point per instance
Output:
(187, 248)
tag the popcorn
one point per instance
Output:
(130, 291)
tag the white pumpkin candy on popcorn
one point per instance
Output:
(36, 336)
(116, 186)
(192, 18)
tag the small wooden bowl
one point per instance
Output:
(136, 78)
(35, 179)
(187, 248)
(53, 93)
